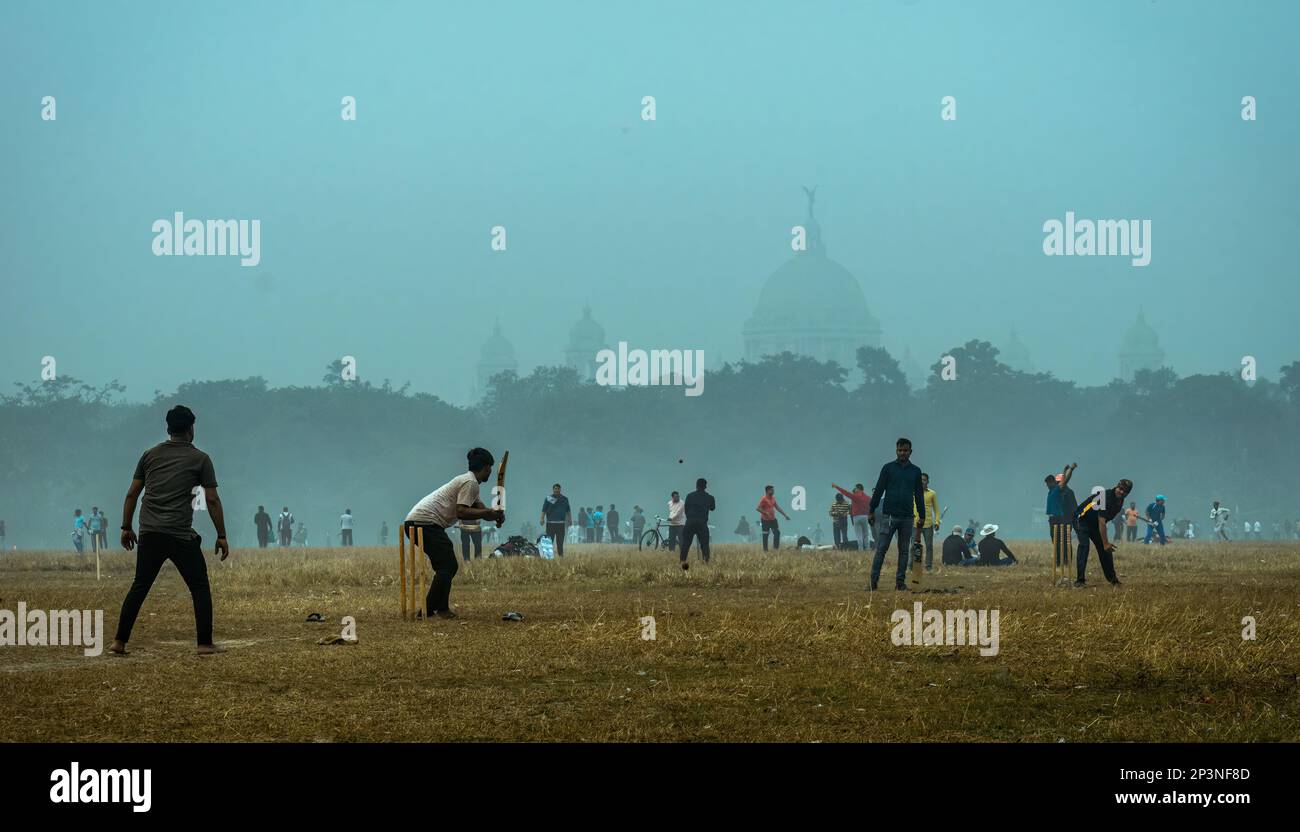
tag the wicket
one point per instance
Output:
(418, 607)
(1061, 549)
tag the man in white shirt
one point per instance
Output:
(285, 526)
(1220, 518)
(345, 528)
(457, 500)
(676, 520)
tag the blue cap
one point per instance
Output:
(1160, 496)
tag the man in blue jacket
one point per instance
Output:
(899, 484)
(1156, 516)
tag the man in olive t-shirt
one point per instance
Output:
(170, 475)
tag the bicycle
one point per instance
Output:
(652, 538)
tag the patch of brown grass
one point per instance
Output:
(779, 647)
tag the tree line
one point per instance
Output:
(987, 437)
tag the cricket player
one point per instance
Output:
(1095, 514)
(1219, 516)
(169, 474)
(457, 500)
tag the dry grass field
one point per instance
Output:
(780, 647)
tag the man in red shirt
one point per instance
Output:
(767, 509)
(859, 511)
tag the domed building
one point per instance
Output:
(585, 340)
(496, 356)
(1140, 349)
(912, 371)
(811, 306)
(1015, 354)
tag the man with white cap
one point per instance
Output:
(991, 548)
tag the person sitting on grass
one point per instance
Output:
(742, 529)
(955, 551)
(991, 548)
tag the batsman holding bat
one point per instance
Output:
(457, 500)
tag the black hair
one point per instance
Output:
(479, 458)
(1050, 478)
(179, 420)
(701, 483)
(903, 440)
(556, 485)
(766, 487)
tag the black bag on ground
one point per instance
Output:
(515, 546)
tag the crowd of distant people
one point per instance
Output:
(848, 513)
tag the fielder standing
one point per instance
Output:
(169, 474)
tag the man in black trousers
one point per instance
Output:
(556, 517)
(1095, 514)
(262, 521)
(457, 500)
(698, 505)
(169, 474)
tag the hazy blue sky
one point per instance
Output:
(375, 234)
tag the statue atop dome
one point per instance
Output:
(812, 199)
(813, 227)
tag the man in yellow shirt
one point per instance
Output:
(932, 518)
